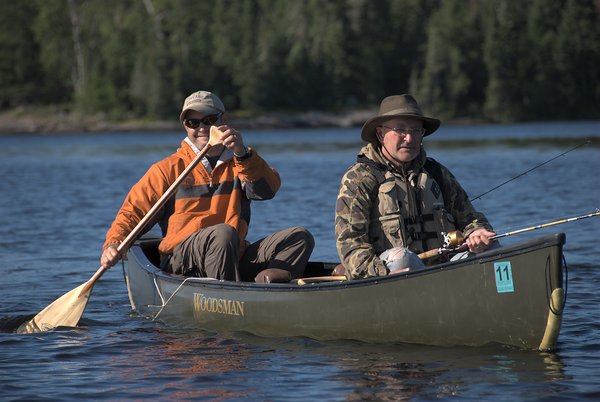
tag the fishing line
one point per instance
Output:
(519, 226)
(533, 168)
(548, 224)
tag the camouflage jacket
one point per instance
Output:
(360, 228)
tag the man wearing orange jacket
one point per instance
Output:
(205, 223)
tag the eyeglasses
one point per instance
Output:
(207, 121)
(403, 132)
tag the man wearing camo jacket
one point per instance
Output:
(395, 198)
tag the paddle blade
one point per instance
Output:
(63, 312)
(215, 136)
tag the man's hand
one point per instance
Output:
(110, 256)
(479, 240)
(232, 139)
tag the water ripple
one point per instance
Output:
(59, 195)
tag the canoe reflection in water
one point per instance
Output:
(201, 364)
(179, 361)
(401, 372)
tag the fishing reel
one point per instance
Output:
(452, 239)
(451, 243)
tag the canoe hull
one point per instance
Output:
(510, 296)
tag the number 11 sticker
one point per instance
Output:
(504, 278)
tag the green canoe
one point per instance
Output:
(510, 295)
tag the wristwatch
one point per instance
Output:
(244, 156)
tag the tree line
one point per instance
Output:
(499, 60)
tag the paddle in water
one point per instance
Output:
(67, 310)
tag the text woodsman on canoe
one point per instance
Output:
(219, 306)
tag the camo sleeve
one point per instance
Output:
(352, 218)
(467, 219)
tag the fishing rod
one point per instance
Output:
(545, 225)
(455, 241)
(533, 168)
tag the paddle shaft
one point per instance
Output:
(125, 244)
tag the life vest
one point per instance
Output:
(409, 209)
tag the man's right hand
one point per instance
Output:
(110, 256)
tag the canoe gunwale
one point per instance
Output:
(557, 239)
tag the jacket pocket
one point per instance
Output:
(388, 199)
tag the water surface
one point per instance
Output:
(59, 194)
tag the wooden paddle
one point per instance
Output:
(68, 309)
(317, 279)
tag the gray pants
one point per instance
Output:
(214, 252)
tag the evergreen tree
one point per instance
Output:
(539, 96)
(149, 82)
(498, 59)
(453, 77)
(504, 51)
(54, 36)
(226, 42)
(371, 40)
(577, 59)
(109, 40)
(190, 46)
(316, 58)
(405, 50)
(20, 71)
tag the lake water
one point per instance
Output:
(59, 194)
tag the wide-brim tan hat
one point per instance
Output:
(204, 102)
(397, 106)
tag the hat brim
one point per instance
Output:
(369, 129)
(204, 109)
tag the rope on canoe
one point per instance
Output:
(164, 304)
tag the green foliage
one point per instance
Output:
(454, 73)
(577, 61)
(501, 60)
(20, 70)
(506, 52)
(52, 34)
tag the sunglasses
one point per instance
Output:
(207, 121)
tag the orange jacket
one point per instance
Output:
(203, 199)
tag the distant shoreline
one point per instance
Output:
(60, 122)
(49, 122)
